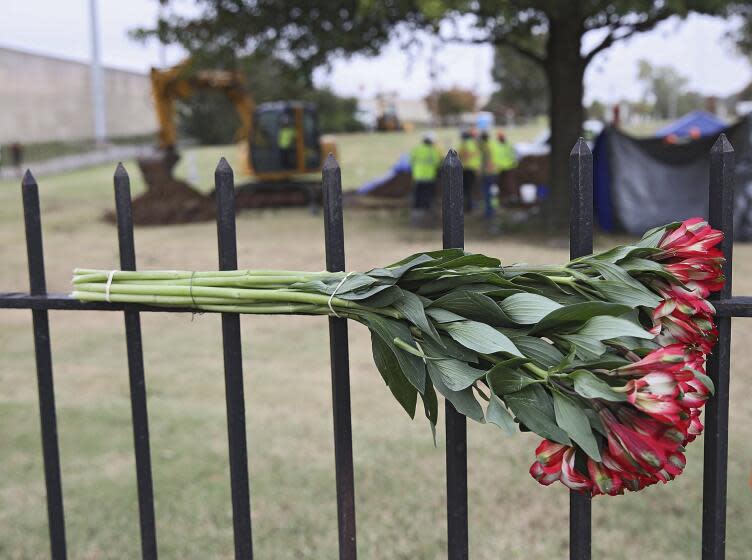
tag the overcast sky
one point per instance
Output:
(697, 47)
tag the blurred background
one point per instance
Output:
(168, 87)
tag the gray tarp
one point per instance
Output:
(653, 183)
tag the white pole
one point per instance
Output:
(97, 79)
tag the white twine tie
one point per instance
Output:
(110, 276)
(331, 297)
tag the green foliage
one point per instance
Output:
(452, 102)
(666, 91)
(523, 89)
(210, 118)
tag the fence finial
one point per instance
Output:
(580, 148)
(451, 159)
(223, 166)
(722, 145)
(120, 170)
(28, 179)
(330, 163)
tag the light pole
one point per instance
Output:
(97, 79)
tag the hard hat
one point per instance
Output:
(429, 136)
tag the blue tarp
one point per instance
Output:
(402, 166)
(706, 123)
(640, 183)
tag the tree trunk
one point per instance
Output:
(565, 70)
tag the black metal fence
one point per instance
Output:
(581, 242)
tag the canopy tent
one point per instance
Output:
(696, 122)
(640, 183)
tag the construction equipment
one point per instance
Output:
(280, 143)
(387, 120)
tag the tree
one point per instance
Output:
(210, 118)
(523, 90)
(447, 104)
(666, 90)
(547, 32)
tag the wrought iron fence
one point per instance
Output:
(581, 243)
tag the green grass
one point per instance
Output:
(399, 475)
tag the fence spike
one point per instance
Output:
(223, 166)
(120, 170)
(722, 145)
(451, 159)
(581, 148)
(330, 163)
(28, 179)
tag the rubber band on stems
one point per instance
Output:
(331, 297)
(107, 286)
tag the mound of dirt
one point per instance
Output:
(167, 200)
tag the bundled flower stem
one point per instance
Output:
(602, 357)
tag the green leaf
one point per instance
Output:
(442, 315)
(614, 272)
(574, 315)
(588, 385)
(572, 419)
(624, 251)
(605, 327)
(540, 351)
(617, 292)
(389, 369)
(399, 268)
(533, 407)
(497, 413)
(586, 347)
(389, 329)
(480, 337)
(463, 401)
(412, 308)
(455, 374)
(504, 380)
(472, 305)
(431, 406)
(528, 309)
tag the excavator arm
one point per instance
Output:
(178, 83)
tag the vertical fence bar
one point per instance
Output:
(721, 216)
(456, 424)
(580, 243)
(45, 386)
(228, 260)
(334, 237)
(133, 341)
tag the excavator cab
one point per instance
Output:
(285, 140)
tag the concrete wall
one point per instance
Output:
(45, 98)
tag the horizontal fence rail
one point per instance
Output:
(39, 301)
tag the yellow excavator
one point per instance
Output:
(280, 141)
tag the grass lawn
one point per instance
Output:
(400, 475)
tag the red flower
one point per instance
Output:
(570, 476)
(656, 395)
(604, 480)
(670, 359)
(694, 237)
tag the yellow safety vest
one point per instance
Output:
(503, 156)
(470, 154)
(424, 162)
(286, 137)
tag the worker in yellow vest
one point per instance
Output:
(470, 157)
(489, 172)
(425, 160)
(287, 142)
(506, 161)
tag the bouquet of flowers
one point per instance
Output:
(603, 357)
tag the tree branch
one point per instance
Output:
(498, 41)
(631, 29)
